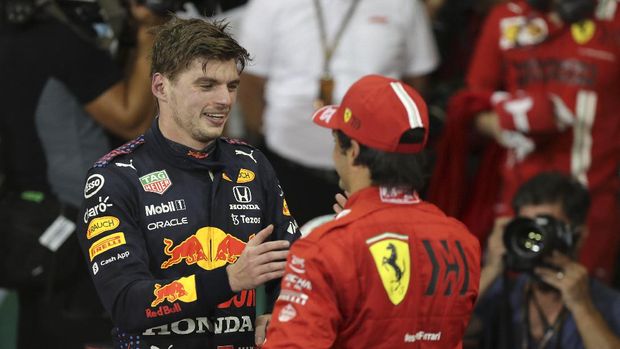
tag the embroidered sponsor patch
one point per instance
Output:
(210, 248)
(245, 176)
(101, 225)
(287, 313)
(106, 243)
(390, 252)
(183, 289)
(94, 183)
(583, 31)
(156, 182)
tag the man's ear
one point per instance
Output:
(353, 152)
(583, 234)
(158, 86)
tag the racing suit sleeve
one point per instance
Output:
(118, 259)
(278, 214)
(306, 314)
(532, 112)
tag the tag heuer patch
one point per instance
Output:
(156, 182)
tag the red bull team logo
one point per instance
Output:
(156, 182)
(183, 289)
(210, 248)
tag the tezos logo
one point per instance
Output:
(94, 183)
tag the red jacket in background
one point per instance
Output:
(390, 271)
(563, 85)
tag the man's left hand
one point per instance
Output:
(571, 280)
(260, 329)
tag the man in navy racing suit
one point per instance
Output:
(171, 224)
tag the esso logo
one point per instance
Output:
(94, 183)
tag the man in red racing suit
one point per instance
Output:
(391, 270)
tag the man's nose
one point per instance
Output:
(223, 96)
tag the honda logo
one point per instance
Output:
(242, 194)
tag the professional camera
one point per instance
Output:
(528, 241)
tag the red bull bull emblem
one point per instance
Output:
(183, 289)
(210, 248)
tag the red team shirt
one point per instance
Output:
(562, 108)
(391, 271)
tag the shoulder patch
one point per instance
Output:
(236, 141)
(126, 148)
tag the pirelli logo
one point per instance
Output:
(107, 243)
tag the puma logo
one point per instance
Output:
(130, 164)
(250, 154)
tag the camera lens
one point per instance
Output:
(526, 242)
(529, 242)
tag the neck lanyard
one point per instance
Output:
(326, 83)
(550, 330)
(328, 50)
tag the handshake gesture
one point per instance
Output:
(259, 262)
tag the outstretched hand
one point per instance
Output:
(259, 262)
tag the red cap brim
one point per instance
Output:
(324, 116)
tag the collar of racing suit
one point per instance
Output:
(383, 195)
(184, 157)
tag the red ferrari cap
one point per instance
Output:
(381, 113)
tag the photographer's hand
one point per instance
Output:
(573, 283)
(571, 280)
(494, 260)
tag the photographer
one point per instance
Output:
(62, 97)
(553, 303)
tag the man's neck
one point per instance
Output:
(171, 132)
(357, 180)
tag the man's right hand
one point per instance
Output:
(341, 201)
(259, 262)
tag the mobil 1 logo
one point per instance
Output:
(165, 207)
